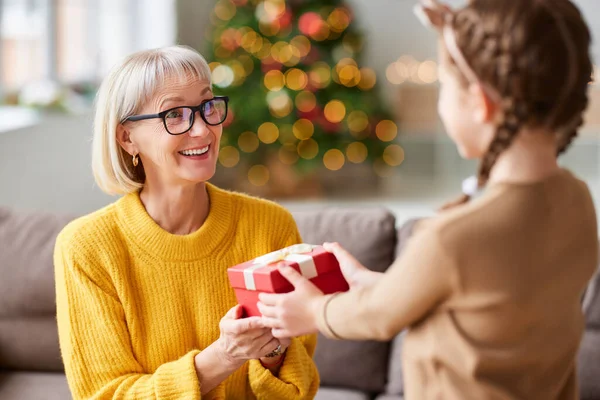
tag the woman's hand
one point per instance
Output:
(354, 272)
(295, 313)
(244, 339)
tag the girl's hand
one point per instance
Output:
(354, 272)
(295, 313)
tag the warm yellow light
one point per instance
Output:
(335, 111)
(393, 155)
(268, 132)
(357, 121)
(339, 19)
(386, 130)
(274, 8)
(286, 135)
(349, 75)
(274, 80)
(213, 65)
(258, 175)
(357, 152)
(296, 79)
(428, 72)
(249, 38)
(368, 79)
(320, 75)
(280, 104)
(225, 10)
(333, 159)
(308, 149)
(306, 101)
(302, 44)
(288, 154)
(248, 142)
(322, 33)
(269, 28)
(229, 156)
(303, 129)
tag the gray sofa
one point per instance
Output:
(30, 364)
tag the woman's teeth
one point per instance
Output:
(195, 152)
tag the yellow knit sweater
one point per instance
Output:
(135, 303)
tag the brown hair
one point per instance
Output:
(535, 54)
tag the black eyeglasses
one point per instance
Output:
(179, 120)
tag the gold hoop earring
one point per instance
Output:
(135, 160)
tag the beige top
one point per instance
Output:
(491, 294)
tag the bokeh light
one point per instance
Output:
(320, 75)
(393, 155)
(268, 132)
(280, 103)
(308, 149)
(335, 111)
(296, 79)
(286, 135)
(310, 23)
(274, 80)
(222, 76)
(225, 10)
(339, 19)
(333, 159)
(386, 130)
(288, 154)
(306, 101)
(357, 152)
(301, 43)
(258, 175)
(428, 72)
(248, 142)
(303, 129)
(368, 79)
(357, 122)
(229, 156)
(349, 75)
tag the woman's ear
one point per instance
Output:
(124, 139)
(485, 107)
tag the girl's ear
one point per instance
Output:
(124, 139)
(484, 106)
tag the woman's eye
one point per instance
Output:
(209, 108)
(174, 114)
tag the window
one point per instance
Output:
(76, 41)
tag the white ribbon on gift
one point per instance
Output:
(294, 254)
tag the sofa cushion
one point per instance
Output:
(26, 265)
(30, 344)
(32, 385)
(588, 365)
(27, 304)
(591, 302)
(369, 234)
(340, 394)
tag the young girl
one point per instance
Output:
(490, 288)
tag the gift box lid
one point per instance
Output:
(261, 274)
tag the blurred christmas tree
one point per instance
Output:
(297, 89)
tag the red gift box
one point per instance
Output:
(262, 275)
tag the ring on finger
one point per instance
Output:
(275, 352)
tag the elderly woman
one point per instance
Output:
(145, 309)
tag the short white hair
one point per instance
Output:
(124, 92)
